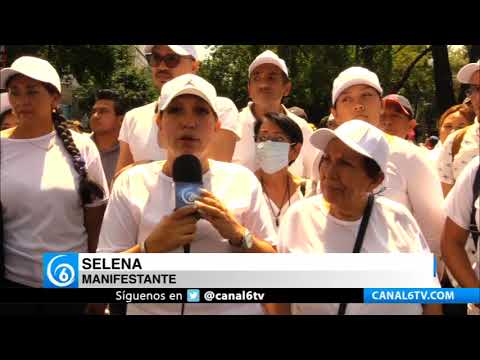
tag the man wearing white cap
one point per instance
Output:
(268, 84)
(462, 146)
(138, 135)
(397, 118)
(410, 180)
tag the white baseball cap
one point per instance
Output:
(188, 84)
(466, 72)
(183, 50)
(4, 103)
(35, 68)
(268, 57)
(402, 101)
(358, 135)
(354, 75)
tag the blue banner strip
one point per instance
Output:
(421, 296)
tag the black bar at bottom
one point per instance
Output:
(181, 295)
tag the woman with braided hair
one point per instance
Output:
(53, 189)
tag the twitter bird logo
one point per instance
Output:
(193, 295)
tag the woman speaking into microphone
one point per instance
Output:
(143, 215)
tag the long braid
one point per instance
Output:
(88, 189)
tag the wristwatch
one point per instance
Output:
(247, 240)
(143, 248)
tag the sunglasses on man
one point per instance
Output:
(171, 60)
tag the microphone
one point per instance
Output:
(187, 176)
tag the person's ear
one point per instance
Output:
(288, 89)
(294, 152)
(333, 111)
(249, 90)
(382, 106)
(376, 183)
(158, 119)
(55, 101)
(195, 67)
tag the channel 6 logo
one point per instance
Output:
(60, 270)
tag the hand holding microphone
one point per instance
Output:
(175, 230)
(212, 210)
(178, 229)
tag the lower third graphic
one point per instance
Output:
(60, 270)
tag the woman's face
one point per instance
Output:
(343, 178)
(451, 123)
(187, 126)
(30, 99)
(269, 131)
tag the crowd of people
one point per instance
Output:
(271, 182)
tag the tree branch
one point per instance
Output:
(396, 88)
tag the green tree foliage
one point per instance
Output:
(95, 67)
(406, 69)
(134, 85)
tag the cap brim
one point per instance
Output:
(176, 49)
(320, 139)
(263, 61)
(404, 109)
(189, 91)
(6, 74)
(465, 73)
(353, 82)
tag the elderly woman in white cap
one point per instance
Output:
(410, 179)
(7, 116)
(234, 214)
(348, 217)
(53, 191)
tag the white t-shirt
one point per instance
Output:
(412, 181)
(434, 154)
(140, 130)
(449, 169)
(142, 195)
(309, 228)
(310, 188)
(458, 207)
(42, 210)
(244, 153)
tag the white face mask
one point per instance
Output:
(272, 156)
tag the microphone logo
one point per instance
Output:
(189, 194)
(186, 193)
